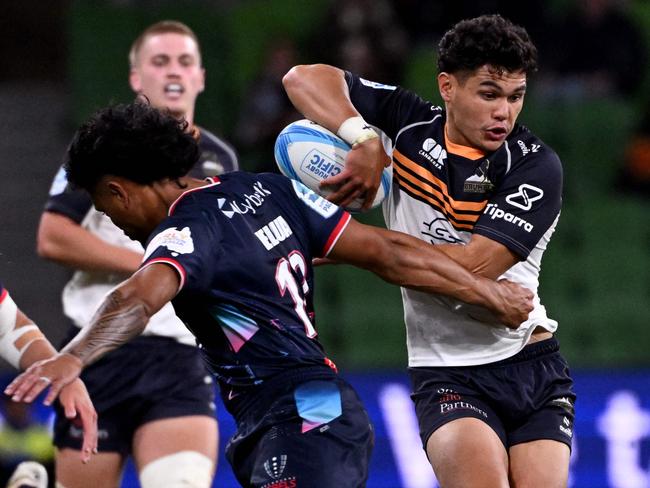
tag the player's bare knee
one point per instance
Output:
(185, 469)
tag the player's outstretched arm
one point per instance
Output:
(122, 316)
(320, 93)
(406, 261)
(64, 241)
(23, 344)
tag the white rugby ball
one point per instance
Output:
(309, 153)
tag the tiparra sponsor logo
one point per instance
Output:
(433, 152)
(495, 212)
(525, 196)
(274, 233)
(249, 202)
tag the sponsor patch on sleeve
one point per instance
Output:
(177, 241)
(377, 86)
(313, 200)
(59, 183)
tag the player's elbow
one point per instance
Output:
(46, 246)
(301, 76)
(50, 238)
(293, 79)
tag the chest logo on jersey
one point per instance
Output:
(274, 233)
(525, 196)
(440, 231)
(433, 152)
(177, 241)
(248, 202)
(479, 182)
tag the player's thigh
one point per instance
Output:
(539, 464)
(468, 452)
(103, 471)
(158, 438)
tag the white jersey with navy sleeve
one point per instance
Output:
(86, 290)
(443, 195)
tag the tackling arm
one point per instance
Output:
(406, 261)
(481, 255)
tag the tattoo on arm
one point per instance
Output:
(117, 321)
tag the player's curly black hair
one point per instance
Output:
(486, 40)
(134, 141)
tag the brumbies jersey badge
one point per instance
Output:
(479, 182)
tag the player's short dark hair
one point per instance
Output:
(486, 40)
(134, 141)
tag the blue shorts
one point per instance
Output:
(523, 398)
(150, 378)
(315, 433)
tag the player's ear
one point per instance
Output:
(202, 80)
(118, 192)
(135, 81)
(445, 86)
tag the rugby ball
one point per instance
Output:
(309, 153)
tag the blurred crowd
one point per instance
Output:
(588, 49)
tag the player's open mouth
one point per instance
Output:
(496, 133)
(174, 89)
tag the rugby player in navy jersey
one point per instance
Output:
(234, 256)
(140, 411)
(495, 405)
(22, 344)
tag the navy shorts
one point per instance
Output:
(523, 398)
(149, 378)
(316, 433)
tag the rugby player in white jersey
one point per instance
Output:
(156, 412)
(495, 405)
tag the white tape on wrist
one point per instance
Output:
(14, 341)
(355, 130)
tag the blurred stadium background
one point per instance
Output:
(63, 59)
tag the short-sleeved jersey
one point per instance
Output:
(243, 247)
(86, 289)
(443, 193)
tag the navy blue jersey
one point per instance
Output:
(217, 157)
(243, 247)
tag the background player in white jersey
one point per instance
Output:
(495, 406)
(22, 344)
(163, 418)
(243, 284)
